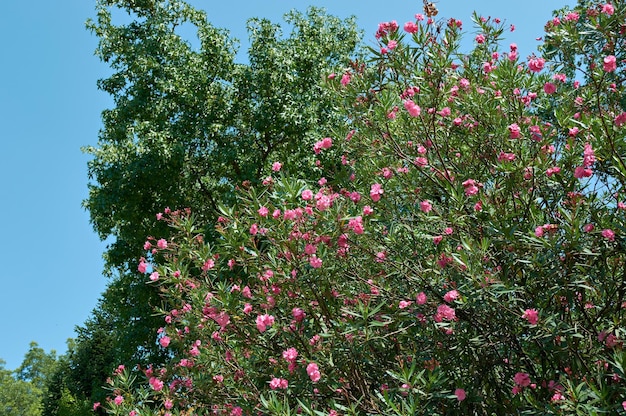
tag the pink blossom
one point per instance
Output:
(608, 234)
(610, 63)
(276, 166)
(164, 341)
(345, 79)
(356, 225)
(156, 384)
(549, 88)
(536, 64)
(514, 131)
(480, 38)
(168, 404)
(421, 298)
(290, 354)
(162, 243)
(582, 172)
(608, 9)
(451, 296)
(247, 308)
(460, 394)
(531, 315)
(588, 228)
(263, 211)
(522, 379)
(298, 314)
(413, 109)
(410, 27)
(154, 276)
(376, 191)
(444, 312)
(210, 263)
(315, 262)
(426, 206)
(367, 210)
(143, 266)
(313, 371)
(307, 195)
(620, 119)
(263, 321)
(278, 383)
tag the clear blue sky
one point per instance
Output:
(50, 259)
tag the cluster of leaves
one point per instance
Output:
(461, 251)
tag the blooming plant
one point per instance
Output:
(461, 252)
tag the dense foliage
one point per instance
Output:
(459, 249)
(188, 124)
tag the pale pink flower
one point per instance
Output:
(345, 79)
(608, 9)
(118, 400)
(154, 276)
(290, 354)
(143, 266)
(313, 371)
(276, 166)
(421, 298)
(413, 109)
(162, 243)
(315, 262)
(307, 195)
(263, 321)
(356, 225)
(444, 312)
(278, 383)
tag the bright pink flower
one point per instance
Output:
(154, 276)
(549, 88)
(247, 308)
(356, 225)
(451, 296)
(531, 315)
(444, 312)
(278, 383)
(263, 321)
(367, 210)
(536, 64)
(143, 266)
(410, 27)
(610, 63)
(480, 38)
(608, 9)
(620, 120)
(582, 172)
(460, 394)
(168, 404)
(307, 195)
(298, 314)
(315, 262)
(263, 211)
(276, 166)
(514, 131)
(608, 234)
(314, 373)
(345, 79)
(164, 341)
(426, 206)
(290, 354)
(209, 264)
(413, 109)
(162, 243)
(156, 384)
(376, 191)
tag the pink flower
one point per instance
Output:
(608, 9)
(460, 394)
(154, 276)
(531, 315)
(96, 406)
(290, 354)
(276, 166)
(608, 234)
(315, 262)
(263, 211)
(539, 231)
(209, 264)
(143, 266)
(247, 308)
(421, 298)
(413, 109)
(162, 243)
(168, 404)
(345, 79)
(522, 379)
(376, 191)
(356, 225)
(620, 120)
(367, 210)
(426, 206)
(164, 341)
(307, 195)
(314, 373)
(278, 383)
(156, 384)
(480, 38)
(410, 27)
(445, 312)
(451, 296)
(582, 172)
(263, 321)
(514, 131)
(536, 64)
(549, 88)
(610, 63)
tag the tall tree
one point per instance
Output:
(189, 125)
